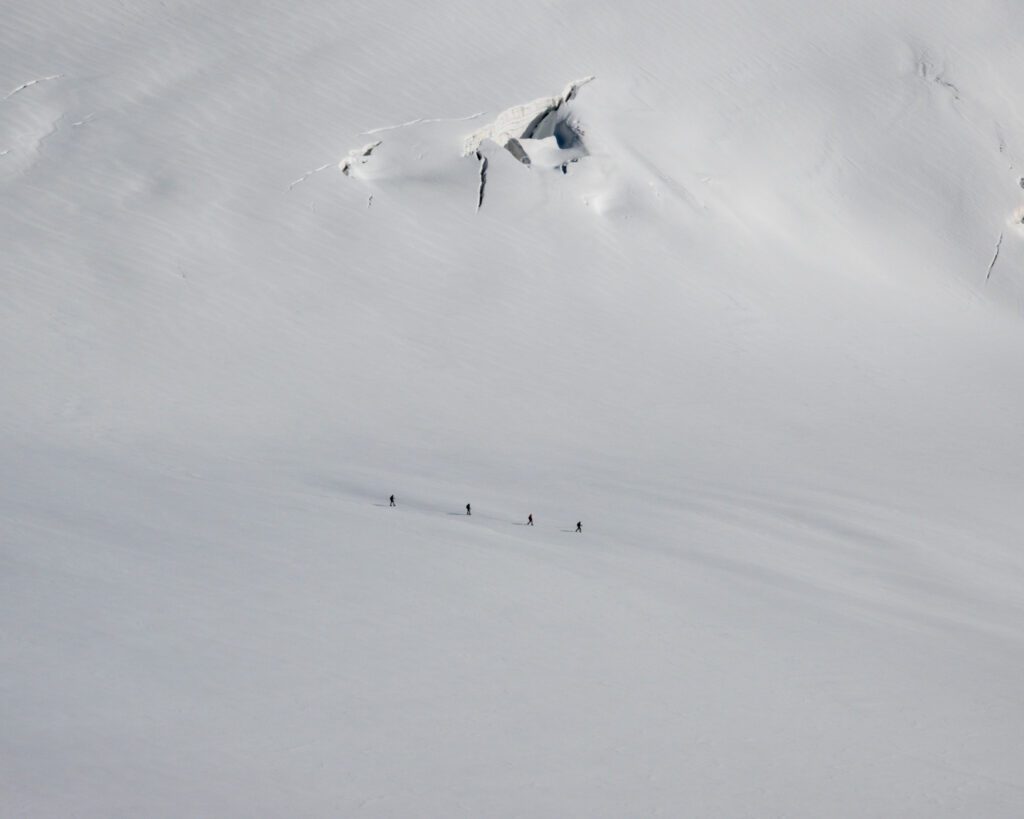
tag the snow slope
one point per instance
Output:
(763, 338)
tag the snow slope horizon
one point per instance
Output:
(764, 338)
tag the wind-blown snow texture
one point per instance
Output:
(763, 338)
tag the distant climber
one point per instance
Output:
(392, 501)
(529, 520)
(579, 526)
(469, 510)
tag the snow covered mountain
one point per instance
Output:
(747, 304)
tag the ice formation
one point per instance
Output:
(532, 121)
(357, 155)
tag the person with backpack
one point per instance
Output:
(469, 510)
(529, 520)
(392, 501)
(579, 526)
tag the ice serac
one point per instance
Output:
(531, 120)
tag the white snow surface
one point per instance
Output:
(764, 340)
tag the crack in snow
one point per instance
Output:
(483, 180)
(308, 174)
(926, 70)
(49, 134)
(420, 121)
(947, 84)
(995, 257)
(30, 83)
